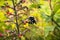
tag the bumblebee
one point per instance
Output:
(32, 20)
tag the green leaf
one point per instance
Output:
(56, 6)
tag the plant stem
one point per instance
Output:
(52, 14)
(16, 16)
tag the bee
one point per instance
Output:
(32, 20)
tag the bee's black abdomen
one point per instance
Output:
(32, 20)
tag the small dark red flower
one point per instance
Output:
(20, 35)
(1, 35)
(7, 31)
(8, 13)
(22, 1)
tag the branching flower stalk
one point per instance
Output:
(16, 16)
